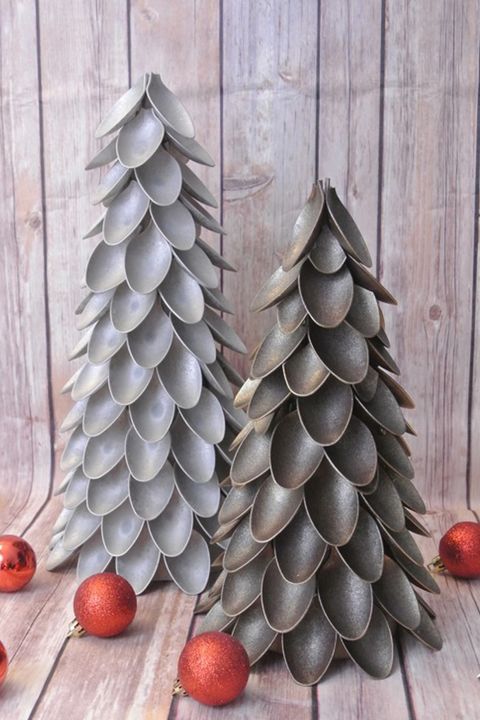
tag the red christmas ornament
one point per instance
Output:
(17, 563)
(3, 663)
(104, 605)
(460, 551)
(213, 668)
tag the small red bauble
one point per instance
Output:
(3, 663)
(460, 550)
(17, 563)
(104, 605)
(213, 668)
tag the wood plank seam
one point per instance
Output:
(48, 679)
(474, 299)
(403, 673)
(128, 8)
(38, 612)
(45, 266)
(315, 705)
(381, 130)
(174, 706)
(314, 697)
(317, 93)
(221, 49)
(472, 645)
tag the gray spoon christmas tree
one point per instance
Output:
(153, 414)
(321, 562)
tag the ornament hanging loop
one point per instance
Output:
(436, 565)
(75, 629)
(178, 689)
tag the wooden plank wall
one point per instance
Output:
(379, 95)
(428, 228)
(27, 430)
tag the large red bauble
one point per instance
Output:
(17, 563)
(3, 663)
(105, 604)
(460, 549)
(213, 668)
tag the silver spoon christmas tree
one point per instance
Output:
(153, 414)
(321, 561)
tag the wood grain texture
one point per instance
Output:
(33, 627)
(134, 671)
(349, 694)
(25, 430)
(427, 230)
(269, 143)
(83, 73)
(131, 675)
(350, 66)
(445, 684)
(181, 42)
(473, 430)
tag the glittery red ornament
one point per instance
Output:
(17, 563)
(104, 605)
(213, 668)
(460, 550)
(3, 663)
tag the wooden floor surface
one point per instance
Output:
(130, 677)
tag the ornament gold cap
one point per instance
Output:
(436, 565)
(178, 689)
(75, 629)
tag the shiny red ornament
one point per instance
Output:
(3, 663)
(104, 605)
(17, 563)
(460, 550)
(213, 668)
